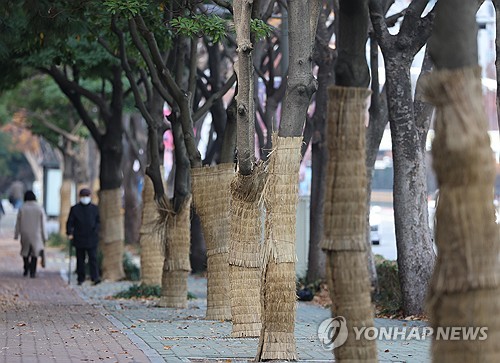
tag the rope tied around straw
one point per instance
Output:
(174, 231)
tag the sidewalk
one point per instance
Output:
(45, 320)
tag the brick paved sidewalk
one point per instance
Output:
(43, 320)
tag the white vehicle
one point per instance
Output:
(375, 224)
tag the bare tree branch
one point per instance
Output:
(209, 102)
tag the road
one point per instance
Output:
(387, 246)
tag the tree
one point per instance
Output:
(496, 3)
(465, 286)
(61, 44)
(179, 92)
(246, 189)
(324, 57)
(346, 183)
(47, 113)
(277, 339)
(414, 244)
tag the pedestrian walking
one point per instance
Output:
(15, 192)
(30, 226)
(82, 229)
(2, 211)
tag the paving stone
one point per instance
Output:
(46, 320)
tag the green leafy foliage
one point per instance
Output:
(9, 159)
(128, 7)
(58, 241)
(388, 297)
(213, 26)
(139, 291)
(260, 28)
(42, 101)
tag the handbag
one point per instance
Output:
(42, 255)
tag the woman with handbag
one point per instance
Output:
(30, 226)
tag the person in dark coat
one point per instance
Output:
(82, 229)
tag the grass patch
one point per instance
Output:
(388, 298)
(132, 271)
(58, 241)
(139, 291)
(144, 291)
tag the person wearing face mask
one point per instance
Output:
(82, 228)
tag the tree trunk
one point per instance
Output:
(465, 287)
(65, 193)
(211, 195)
(345, 219)
(245, 140)
(229, 142)
(151, 249)
(111, 236)
(198, 255)
(176, 265)
(324, 57)
(277, 340)
(345, 209)
(496, 3)
(415, 253)
(375, 131)
(246, 188)
(245, 252)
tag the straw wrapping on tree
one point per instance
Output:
(245, 293)
(277, 339)
(244, 252)
(152, 254)
(464, 164)
(346, 183)
(212, 197)
(112, 263)
(175, 230)
(281, 198)
(246, 218)
(218, 296)
(65, 205)
(111, 234)
(174, 289)
(351, 299)
(111, 213)
(465, 287)
(345, 219)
